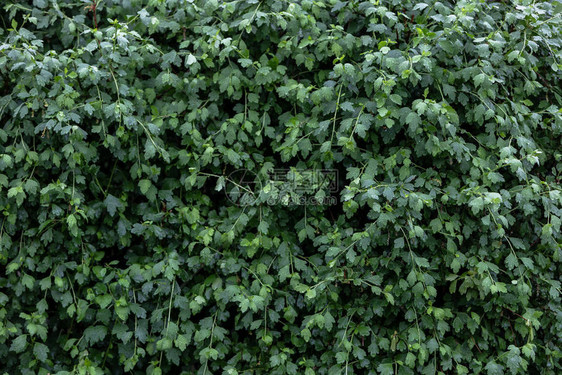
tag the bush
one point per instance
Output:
(265, 187)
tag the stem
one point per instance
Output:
(170, 306)
(110, 178)
(335, 114)
(94, 7)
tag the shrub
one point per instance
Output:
(155, 156)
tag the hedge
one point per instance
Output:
(272, 187)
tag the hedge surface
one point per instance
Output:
(121, 122)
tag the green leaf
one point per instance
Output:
(396, 99)
(72, 224)
(493, 368)
(413, 120)
(478, 79)
(306, 334)
(477, 204)
(144, 185)
(19, 344)
(94, 334)
(190, 60)
(40, 351)
(385, 369)
(112, 204)
(511, 261)
(181, 342)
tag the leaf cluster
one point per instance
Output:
(121, 122)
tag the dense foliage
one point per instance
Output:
(122, 120)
